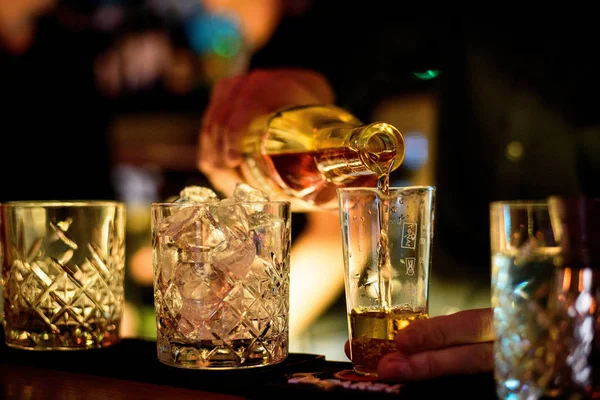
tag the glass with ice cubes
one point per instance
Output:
(221, 279)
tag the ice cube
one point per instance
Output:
(197, 194)
(203, 234)
(231, 214)
(178, 222)
(202, 288)
(246, 193)
(237, 256)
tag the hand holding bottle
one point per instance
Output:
(237, 100)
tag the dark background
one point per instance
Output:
(515, 117)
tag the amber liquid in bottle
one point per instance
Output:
(303, 154)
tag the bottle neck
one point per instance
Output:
(380, 147)
(372, 149)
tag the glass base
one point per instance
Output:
(365, 371)
(44, 341)
(213, 366)
(212, 357)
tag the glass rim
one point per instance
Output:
(204, 203)
(540, 203)
(61, 203)
(394, 188)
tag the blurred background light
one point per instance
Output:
(427, 74)
(218, 34)
(419, 150)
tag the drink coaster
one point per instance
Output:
(350, 375)
(345, 379)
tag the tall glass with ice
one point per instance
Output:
(221, 279)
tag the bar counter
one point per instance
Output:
(131, 370)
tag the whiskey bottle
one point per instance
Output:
(302, 154)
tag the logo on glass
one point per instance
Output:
(409, 235)
(410, 266)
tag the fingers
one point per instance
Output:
(347, 349)
(466, 359)
(460, 343)
(463, 327)
(261, 93)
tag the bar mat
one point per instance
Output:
(300, 374)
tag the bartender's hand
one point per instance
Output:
(236, 101)
(460, 343)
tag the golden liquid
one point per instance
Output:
(372, 335)
(384, 266)
(29, 331)
(304, 154)
(300, 175)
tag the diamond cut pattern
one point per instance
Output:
(212, 315)
(54, 301)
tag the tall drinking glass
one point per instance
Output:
(387, 241)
